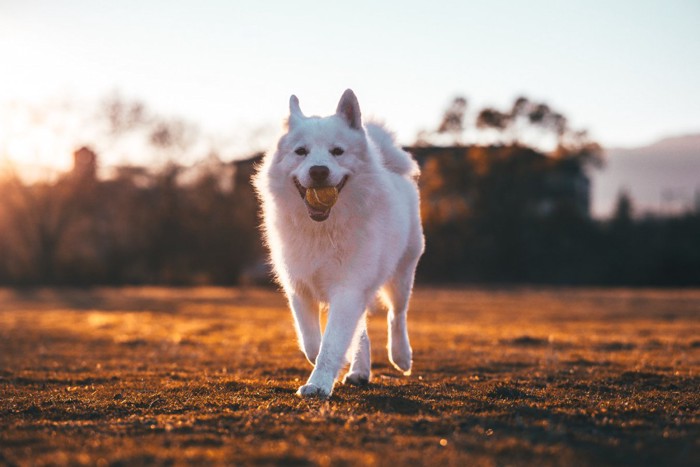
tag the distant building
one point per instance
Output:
(84, 164)
(560, 182)
(554, 184)
(245, 169)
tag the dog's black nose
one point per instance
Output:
(319, 173)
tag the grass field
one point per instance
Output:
(207, 376)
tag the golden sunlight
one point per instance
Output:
(31, 143)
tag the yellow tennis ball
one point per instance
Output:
(322, 198)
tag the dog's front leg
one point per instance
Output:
(344, 314)
(307, 324)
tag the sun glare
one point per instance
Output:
(31, 143)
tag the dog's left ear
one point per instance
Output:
(349, 109)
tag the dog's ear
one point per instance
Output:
(349, 109)
(295, 113)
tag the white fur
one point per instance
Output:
(368, 246)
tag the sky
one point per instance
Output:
(628, 71)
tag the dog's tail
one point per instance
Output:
(394, 158)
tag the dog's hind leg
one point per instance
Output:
(399, 292)
(361, 365)
(307, 324)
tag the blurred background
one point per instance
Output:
(559, 141)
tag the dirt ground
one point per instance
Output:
(207, 376)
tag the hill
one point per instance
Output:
(663, 177)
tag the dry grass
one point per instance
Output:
(207, 376)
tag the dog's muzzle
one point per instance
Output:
(317, 213)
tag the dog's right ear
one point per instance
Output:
(295, 113)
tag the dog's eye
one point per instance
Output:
(302, 151)
(336, 151)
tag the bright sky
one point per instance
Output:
(626, 70)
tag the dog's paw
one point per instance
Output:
(356, 379)
(311, 391)
(402, 358)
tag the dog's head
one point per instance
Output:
(321, 152)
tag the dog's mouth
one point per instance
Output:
(319, 211)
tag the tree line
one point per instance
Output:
(510, 214)
(505, 199)
(136, 228)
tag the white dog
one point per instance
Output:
(344, 257)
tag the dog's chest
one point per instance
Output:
(320, 259)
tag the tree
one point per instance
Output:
(39, 219)
(526, 122)
(453, 119)
(624, 210)
(169, 140)
(490, 118)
